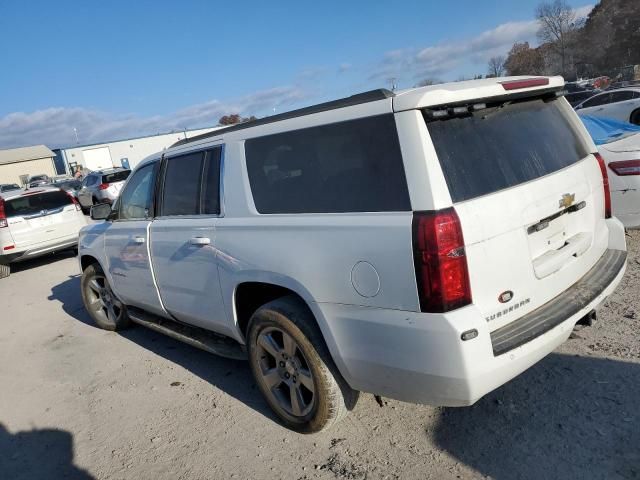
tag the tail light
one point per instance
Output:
(74, 200)
(440, 261)
(3, 215)
(625, 167)
(605, 184)
(103, 186)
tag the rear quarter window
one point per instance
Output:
(352, 166)
(503, 146)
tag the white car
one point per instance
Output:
(619, 145)
(623, 159)
(36, 222)
(621, 104)
(427, 245)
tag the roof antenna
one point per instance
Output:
(394, 84)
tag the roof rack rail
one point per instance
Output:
(357, 99)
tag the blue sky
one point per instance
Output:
(122, 68)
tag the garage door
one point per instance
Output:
(97, 158)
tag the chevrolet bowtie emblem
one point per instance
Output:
(567, 200)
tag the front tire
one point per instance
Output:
(293, 368)
(105, 309)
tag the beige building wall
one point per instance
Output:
(10, 172)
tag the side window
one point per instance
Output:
(621, 96)
(597, 100)
(352, 166)
(136, 201)
(211, 183)
(181, 191)
(636, 94)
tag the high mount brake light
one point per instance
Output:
(524, 83)
(605, 185)
(440, 261)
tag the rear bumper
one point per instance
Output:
(564, 306)
(38, 250)
(421, 358)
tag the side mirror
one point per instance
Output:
(101, 211)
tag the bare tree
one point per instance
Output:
(557, 21)
(428, 81)
(496, 66)
(523, 60)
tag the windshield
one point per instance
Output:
(504, 145)
(7, 188)
(35, 203)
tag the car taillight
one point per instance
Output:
(103, 186)
(605, 184)
(74, 200)
(625, 167)
(440, 261)
(3, 215)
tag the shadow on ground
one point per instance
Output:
(36, 454)
(231, 376)
(567, 417)
(41, 261)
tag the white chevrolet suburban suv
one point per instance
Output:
(427, 245)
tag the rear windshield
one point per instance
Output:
(503, 146)
(35, 203)
(116, 177)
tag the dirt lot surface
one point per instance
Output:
(79, 402)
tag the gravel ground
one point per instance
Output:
(79, 402)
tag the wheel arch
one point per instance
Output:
(251, 294)
(86, 260)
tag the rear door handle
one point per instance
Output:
(200, 241)
(139, 240)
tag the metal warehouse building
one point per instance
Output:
(18, 164)
(120, 153)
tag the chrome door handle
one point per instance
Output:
(138, 240)
(200, 241)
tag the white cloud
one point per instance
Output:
(445, 58)
(54, 126)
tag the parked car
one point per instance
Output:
(102, 187)
(428, 245)
(9, 187)
(619, 145)
(38, 180)
(35, 223)
(622, 104)
(575, 98)
(69, 185)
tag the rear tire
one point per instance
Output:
(5, 271)
(293, 368)
(107, 311)
(635, 117)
